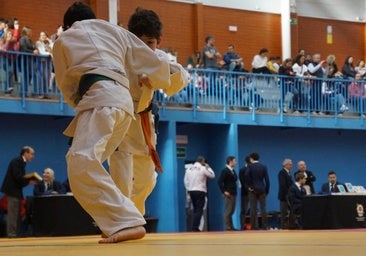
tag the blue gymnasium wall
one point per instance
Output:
(323, 149)
(43, 133)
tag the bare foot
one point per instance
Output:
(103, 235)
(124, 235)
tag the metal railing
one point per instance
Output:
(29, 76)
(236, 91)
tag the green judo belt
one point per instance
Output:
(87, 80)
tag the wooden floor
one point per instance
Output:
(253, 243)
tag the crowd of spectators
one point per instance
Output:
(304, 72)
(313, 82)
(34, 66)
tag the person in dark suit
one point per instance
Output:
(243, 177)
(332, 185)
(310, 178)
(258, 182)
(48, 185)
(227, 185)
(295, 195)
(284, 183)
(12, 187)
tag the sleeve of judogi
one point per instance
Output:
(143, 61)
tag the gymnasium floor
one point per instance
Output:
(255, 243)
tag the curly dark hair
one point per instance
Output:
(145, 22)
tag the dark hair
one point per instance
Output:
(346, 61)
(247, 159)
(254, 156)
(208, 38)
(299, 176)
(331, 173)
(25, 149)
(297, 58)
(229, 159)
(263, 50)
(200, 159)
(286, 61)
(76, 12)
(145, 22)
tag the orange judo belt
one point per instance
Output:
(146, 128)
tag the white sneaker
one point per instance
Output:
(343, 108)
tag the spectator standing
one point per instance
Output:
(2, 27)
(210, 54)
(284, 183)
(227, 185)
(258, 187)
(27, 46)
(317, 69)
(243, 178)
(310, 178)
(195, 182)
(288, 85)
(9, 43)
(44, 46)
(16, 30)
(348, 70)
(303, 86)
(48, 186)
(12, 187)
(53, 38)
(357, 95)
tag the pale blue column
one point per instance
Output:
(233, 149)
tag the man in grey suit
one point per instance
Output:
(284, 183)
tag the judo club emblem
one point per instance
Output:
(360, 212)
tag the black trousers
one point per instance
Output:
(198, 202)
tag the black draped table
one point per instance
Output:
(59, 215)
(334, 211)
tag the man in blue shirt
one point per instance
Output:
(233, 62)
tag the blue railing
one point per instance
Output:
(28, 76)
(236, 91)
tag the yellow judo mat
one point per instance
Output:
(253, 243)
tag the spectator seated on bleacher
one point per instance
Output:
(232, 61)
